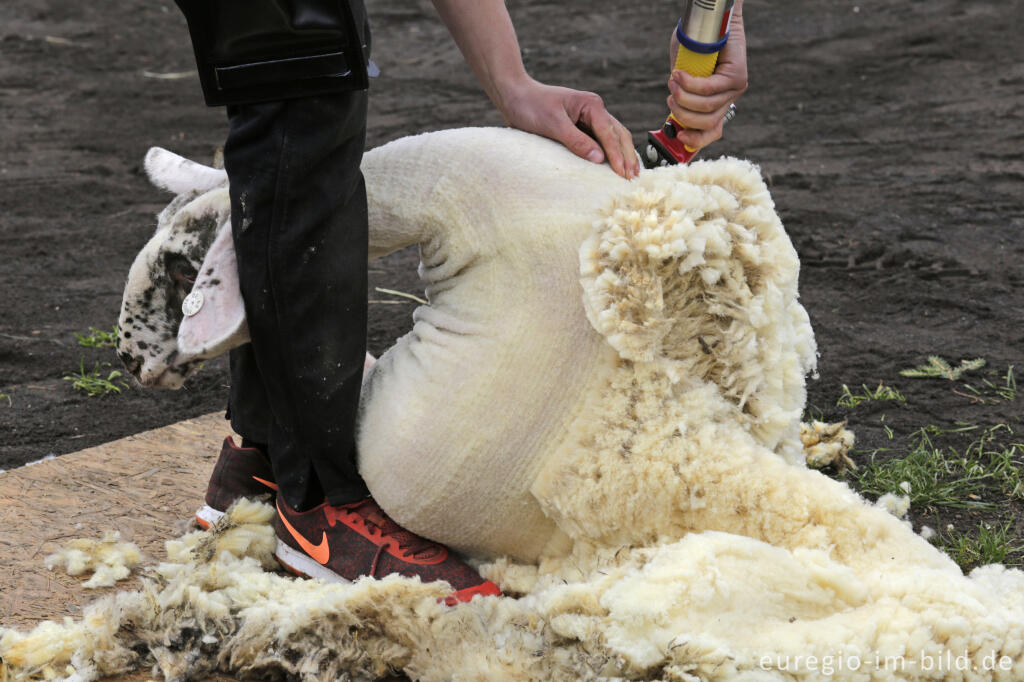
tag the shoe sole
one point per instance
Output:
(300, 564)
(303, 565)
(207, 516)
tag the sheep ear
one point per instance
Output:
(177, 174)
(218, 323)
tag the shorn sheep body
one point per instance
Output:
(623, 457)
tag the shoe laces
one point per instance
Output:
(374, 517)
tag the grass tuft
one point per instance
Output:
(813, 413)
(987, 545)
(97, 338)
(991, 393)
(1004, 459)
(945, 477)
(92, 383)
(850, 399)
(931, 477)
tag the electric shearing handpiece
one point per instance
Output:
(702, 32)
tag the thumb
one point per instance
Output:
(579, 143)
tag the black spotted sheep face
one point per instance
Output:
(159, 280)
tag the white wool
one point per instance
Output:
(627, 467)
(712, 605)
(109, 558)
(897, 505)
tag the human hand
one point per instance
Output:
(701, 104)
(563, 115)
(483, 31)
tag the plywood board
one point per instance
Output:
(146, 486)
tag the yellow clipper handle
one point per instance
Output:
(695, 64)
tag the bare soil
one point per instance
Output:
(891, 133)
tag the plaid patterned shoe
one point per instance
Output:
(345, 542)
(239, 472)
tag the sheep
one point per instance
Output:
(619, 448)
(476, 256)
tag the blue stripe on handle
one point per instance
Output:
(694, 46)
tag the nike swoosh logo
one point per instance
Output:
(269, 484)
(321, 553)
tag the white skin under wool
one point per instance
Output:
(622, 456)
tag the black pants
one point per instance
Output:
(298, 207)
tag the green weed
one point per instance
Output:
(7, 397)
(92, 383)
(889, 433)
(813, 413)
(940, 477)
(938, 367)
(988, 545)
(850, 399)
(961, 427)
(992, 394)
(935, 479)
(97, 338)
(1003, 459)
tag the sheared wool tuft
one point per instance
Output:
(109, 558)
(628, 467)
(827, 445)
(897, 505)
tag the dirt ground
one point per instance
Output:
(891, 133)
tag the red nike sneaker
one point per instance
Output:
(345, 542)
(239, 472)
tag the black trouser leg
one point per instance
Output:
(298, 207)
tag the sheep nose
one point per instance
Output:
(132, 364)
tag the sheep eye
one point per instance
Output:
(180, 270)
(181, 277)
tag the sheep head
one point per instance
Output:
(189, 257)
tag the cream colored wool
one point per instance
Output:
(897, 505)
(827, 445)
(633, 446)
(712, 606)
(688, 275)
(109, 559)
(485, 386)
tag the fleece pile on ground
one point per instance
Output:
(601, 406)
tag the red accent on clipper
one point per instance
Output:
(668, 146)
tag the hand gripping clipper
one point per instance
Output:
(702, 33)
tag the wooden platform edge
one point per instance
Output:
(147, 486)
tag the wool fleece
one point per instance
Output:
(601, 405)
